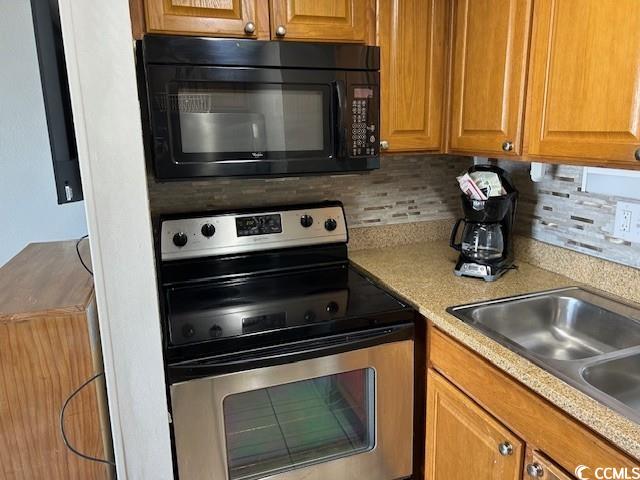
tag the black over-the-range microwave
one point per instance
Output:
(220, 107)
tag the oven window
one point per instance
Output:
(249, 118)
(289, 426)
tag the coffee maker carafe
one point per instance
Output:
(485, 246)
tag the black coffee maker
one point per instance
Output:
(486, 245)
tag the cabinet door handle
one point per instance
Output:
(384, 145)
(249, 28)
(535, 470)
(505, 449)
(507, 146)
(281, 31)
(637, 154)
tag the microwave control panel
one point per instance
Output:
(364, 134)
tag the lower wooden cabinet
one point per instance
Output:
(482, 424)
(464, 441)
(49, 345)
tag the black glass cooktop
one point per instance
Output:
(224, 316)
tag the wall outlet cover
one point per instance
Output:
(627, 223)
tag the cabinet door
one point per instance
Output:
(230, 18)
(490, 46)
(538, 466)
(411, 34)
(584, 94)
(464, 441)
(324, 20)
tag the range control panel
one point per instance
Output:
(234, 233)
(364, 135)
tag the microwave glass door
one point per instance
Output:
(288, 426)
(245, 118)
(248, 119)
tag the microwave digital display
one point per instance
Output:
(362, 92)
(258, 225)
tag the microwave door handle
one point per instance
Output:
(341, 112)
(186, 371)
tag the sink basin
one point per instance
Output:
(619, 378)
(587, 339)
(558, 326)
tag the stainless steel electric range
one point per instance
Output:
(283, 361)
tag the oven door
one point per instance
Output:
(224, 121)
(344, 416)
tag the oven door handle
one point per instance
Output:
(289, 353)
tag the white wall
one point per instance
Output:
(28, 207)
(102, 80)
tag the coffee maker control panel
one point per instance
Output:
(474, 270)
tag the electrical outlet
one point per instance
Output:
(627, 223)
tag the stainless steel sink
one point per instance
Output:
(589, 340)
(619, 378)
(559, 325)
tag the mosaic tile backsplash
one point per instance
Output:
(405, 189)
(409, 189)
(557, 211)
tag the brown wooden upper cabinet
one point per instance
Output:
(325, 20)
(464, 441)
(411, 35)
(489, 66)
(225, 18)
(584, 85)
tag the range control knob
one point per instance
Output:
(215, 331)
(306, 221)
(330, 224)
(180, 239)
(188, 331)
(208, 230)
(333, 307)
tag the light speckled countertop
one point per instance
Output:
(422, 273)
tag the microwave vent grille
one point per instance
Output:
(184, 103)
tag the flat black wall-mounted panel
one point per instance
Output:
(57, 101)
